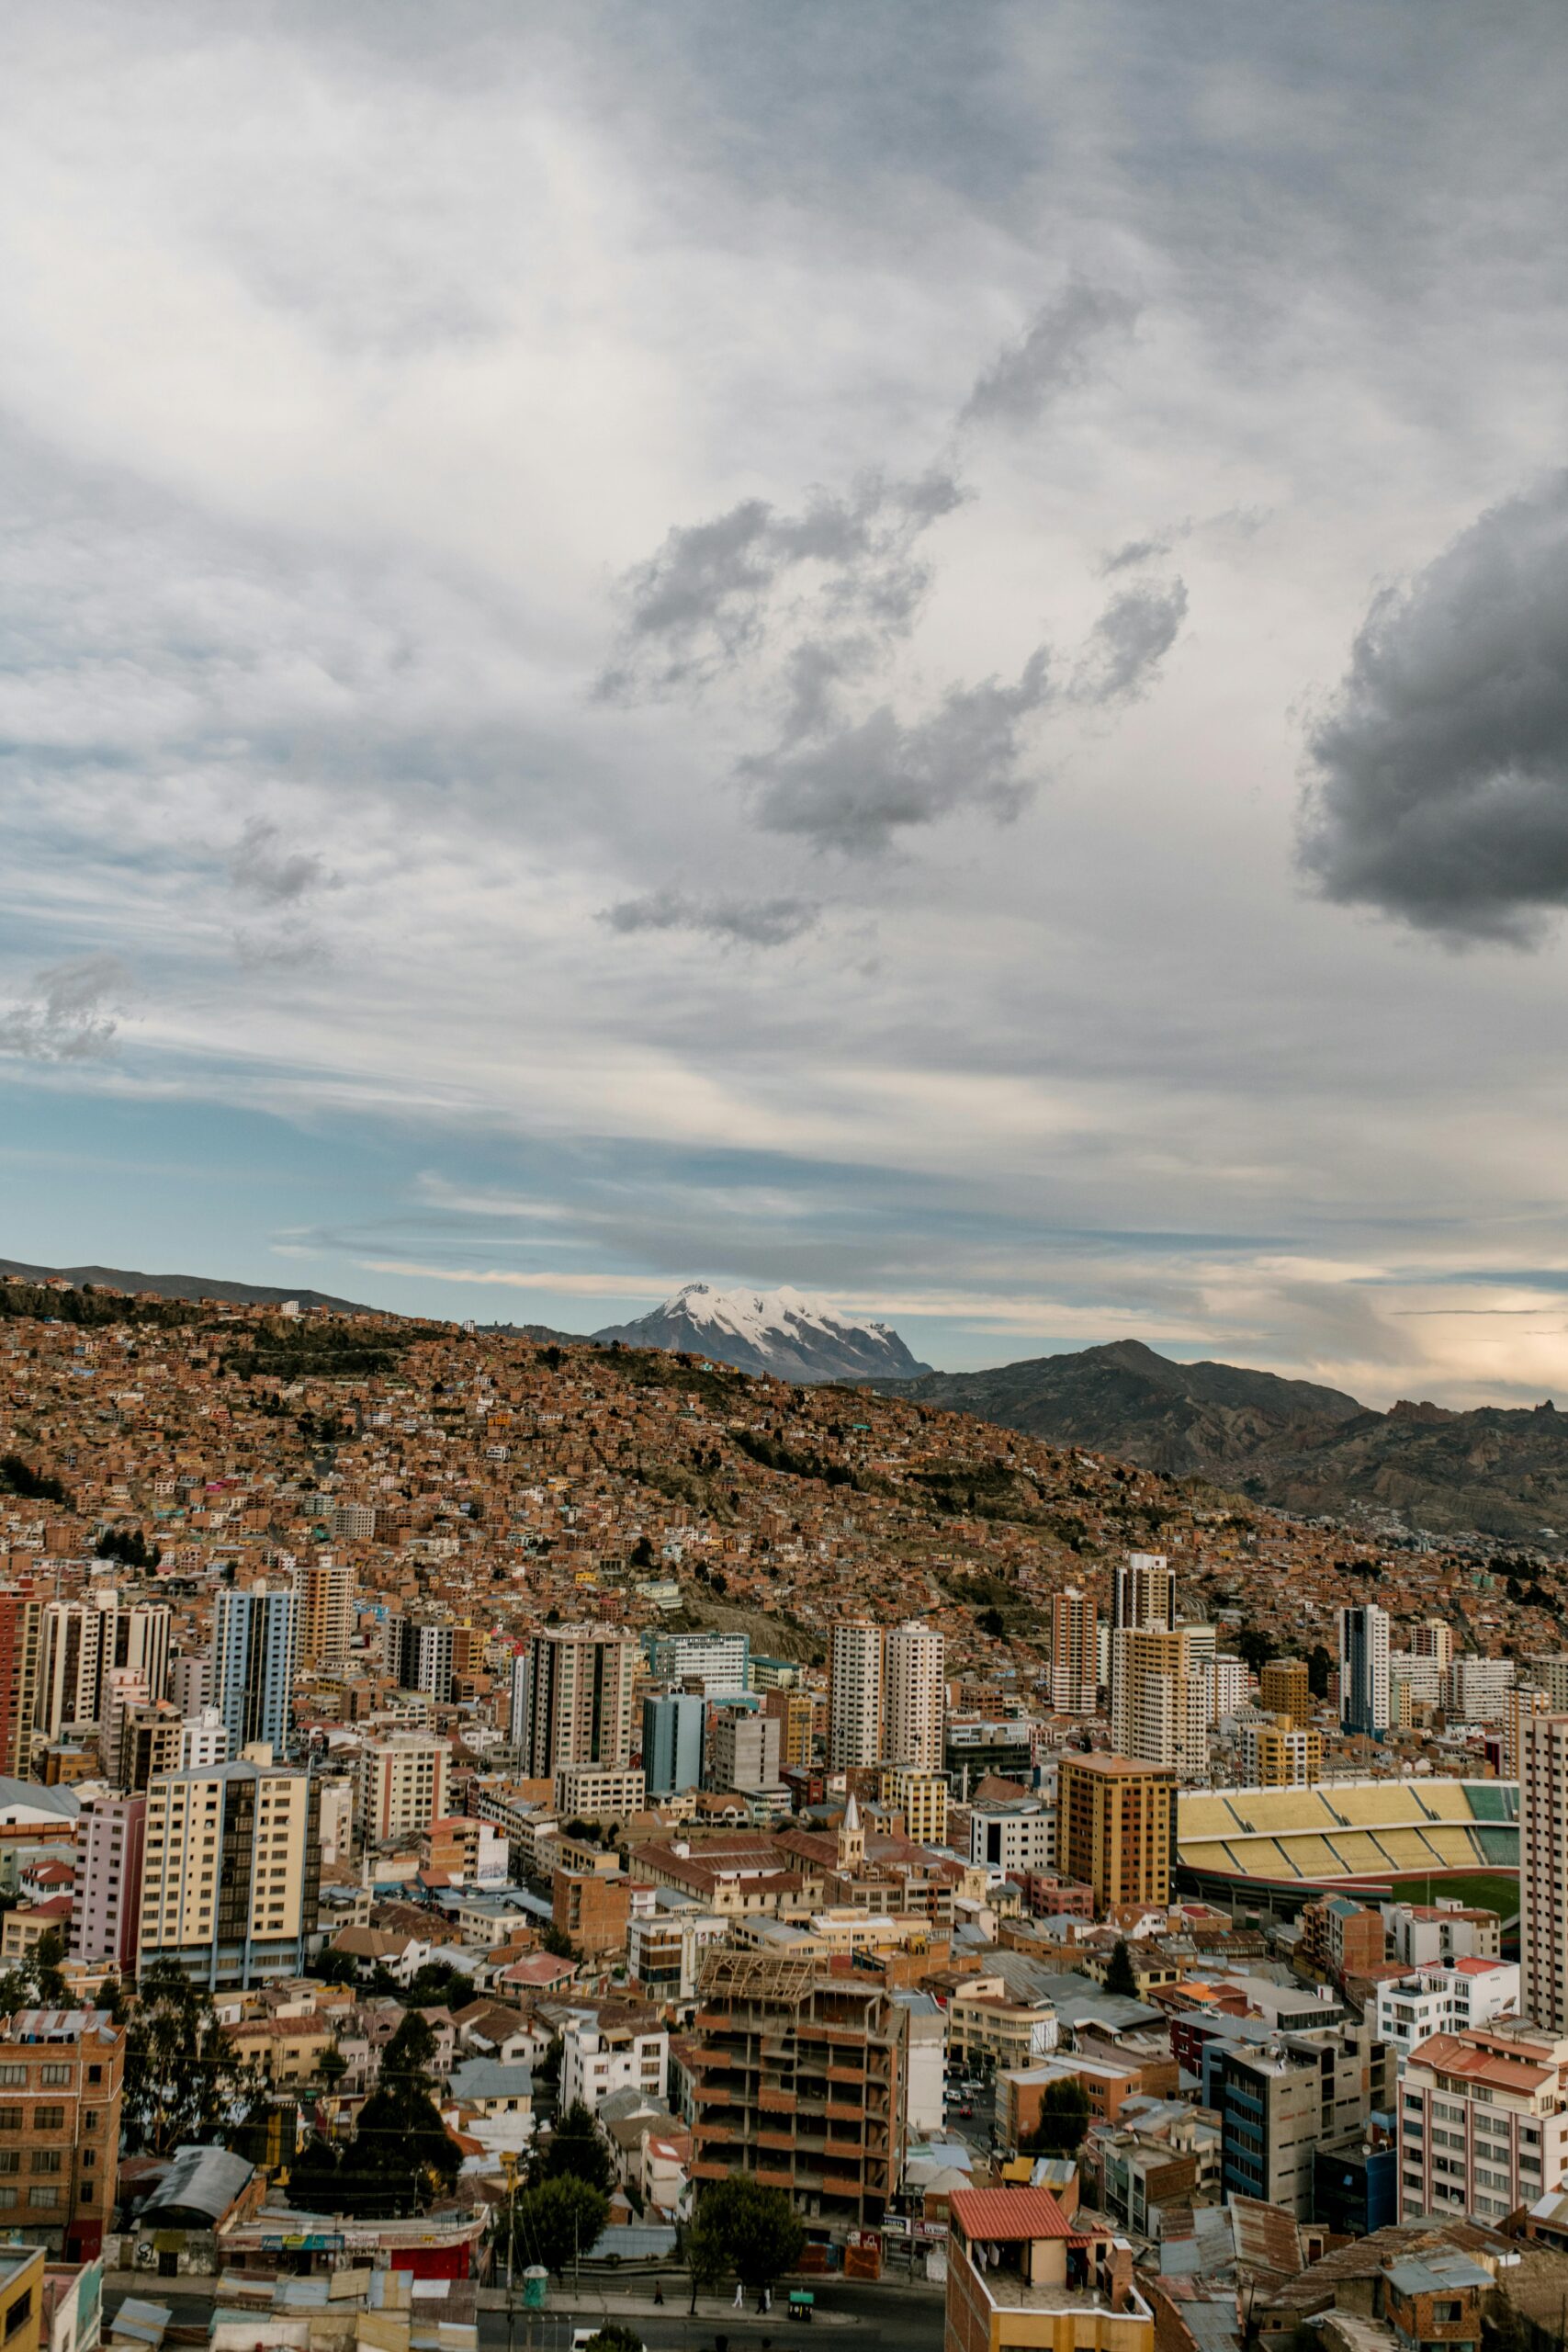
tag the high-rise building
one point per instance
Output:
(149, 1744)
(1435, 1640)
(1363, 1669)
(1114, 1820)
(1144, 1591)
(580, 1698)
(1283, 1689)
(324, 1590)
(914, 1702)
(1075, 1652)
(1520, 1706)
(1476, 1689)
(230, 1870)
(253, 1647)
(106, 1901)
(190, 1682)
(796, 1713)
(672, 1742)
(520, 1707)
(744, 1751)
(720, 1661)
(401, 1785)
(21, 1625)
(1543, 1871)
(1160, 1699)
(923, 1799)
(142, 1635)
(1552, 1674)
(76, 1652)
(203, 1739)
(854, 1694)
(427, 1658)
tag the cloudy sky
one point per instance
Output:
(918, 649)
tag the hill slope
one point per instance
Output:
(180, 1287)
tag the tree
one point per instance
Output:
(758, 2228)
(614, 2337)
(401, 2155)
(1320, 1666)
(557, 1943)
(183, 2079)
(1255, 1648)
(435, 1984)
(1064, 2118)
(35, 1981)
(706, 2253)
(1121, 1976)
(559, 2222)
(575, 2147)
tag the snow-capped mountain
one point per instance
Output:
(782, 1331)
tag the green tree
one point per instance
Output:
(1064, 2120)
(35, 1981)
(706, 2254)
(1120, 1975)
(758, 2228)
(1320, 1666)
(575, 2147)
(559, 2222)
(401, 2155)
(614, 2337)
(557, 1943)
(183, 2079)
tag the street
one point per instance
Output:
(904, 2318)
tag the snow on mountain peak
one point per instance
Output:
(786, 1331)
(757, 1315)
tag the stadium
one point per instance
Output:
(1276, 1848)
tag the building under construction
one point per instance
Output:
(798, 2080)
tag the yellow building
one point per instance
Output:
(21, 2297)
(1283, 1689)
(230, 1870)
(921, 1798)
(1279, 1756)
(1114, 1831)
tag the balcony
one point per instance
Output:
(768, 2178)
(776, 2102)
(777, 2140)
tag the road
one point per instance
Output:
(894, 2314)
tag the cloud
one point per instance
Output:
(751, 922)
(1440, 793)
(1052, 355)
(1135, 551)
(71, 1015)
(261, 868)
(1128, 643)
(857, 790)
(704, 601)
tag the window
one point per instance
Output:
(46, 2159)
(20, 2311)
(90, 2120)
(54, 2078)
(48, 2118)
(13, 2078)
(94, 2074)
(10, 2160)
(10, 2119)
(89, 2157)
(41, 2199)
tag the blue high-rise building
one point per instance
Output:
(672, 1742)
(253, 1639)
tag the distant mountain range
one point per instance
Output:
(779, 1332)
(180, 1287)
(1290, 1443)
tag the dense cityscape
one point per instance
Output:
(530, 1817)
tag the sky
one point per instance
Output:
(915, 650)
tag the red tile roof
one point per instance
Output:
(1009, 2213)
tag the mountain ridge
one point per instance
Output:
(183, 1286)
(784, 1332)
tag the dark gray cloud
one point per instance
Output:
(749, 922)
(1440, 793)
(1133, 552)
(704, 600)
(857, 790)
(72, 1015)
(1054, 353)
(1129, 641)
(262, 868)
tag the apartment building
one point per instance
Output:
(1284, 1689)
(1420, 1934)
(1114, 1827)
(1275, 2100)
(60, 2081)
(231, 1869)
(1543, 1869)
(1476, 1689)
(1021, 2273)
(673, 1724)
(21, 1633)
(323, 1588)
(1434, 1639)
(1278, 1756)
(599, 1791)
(798, 2077)
(923, 1799)
(1159, 1711)
(611, 2050)
(401, 1785)
(591, 1907)
(105, 1899)
(1013, 1835)
(855, 1694)
(665, 1945)
(1447, 1996)
(719, 1661)
(580, 1700)
(1342, 1937)
(1364, 1669)
(1075, 1652)
(1143, 1592)
(915, 1699)
(253, 1652)
(1483, 2121)
(795, 1712)
(1520, 1707)
(743, 1750)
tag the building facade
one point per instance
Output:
(324, 1590)
(1483, 2121)
(1543, 1871)
(915, 1699)
(672, 1742)
(253, 1652)
(230, 1870)
(854, 1694)
(1363, 1669)
(1114, 1819)
(105, 1899)
(401, 1785)
(1075, 1652)
(60, 2084)
(580, 1698)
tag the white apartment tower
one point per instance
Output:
(913, 1664)
(1363, 1669)
(1543, 1871)
(580, 1700)
(1075, 1652)
(854, 1694)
